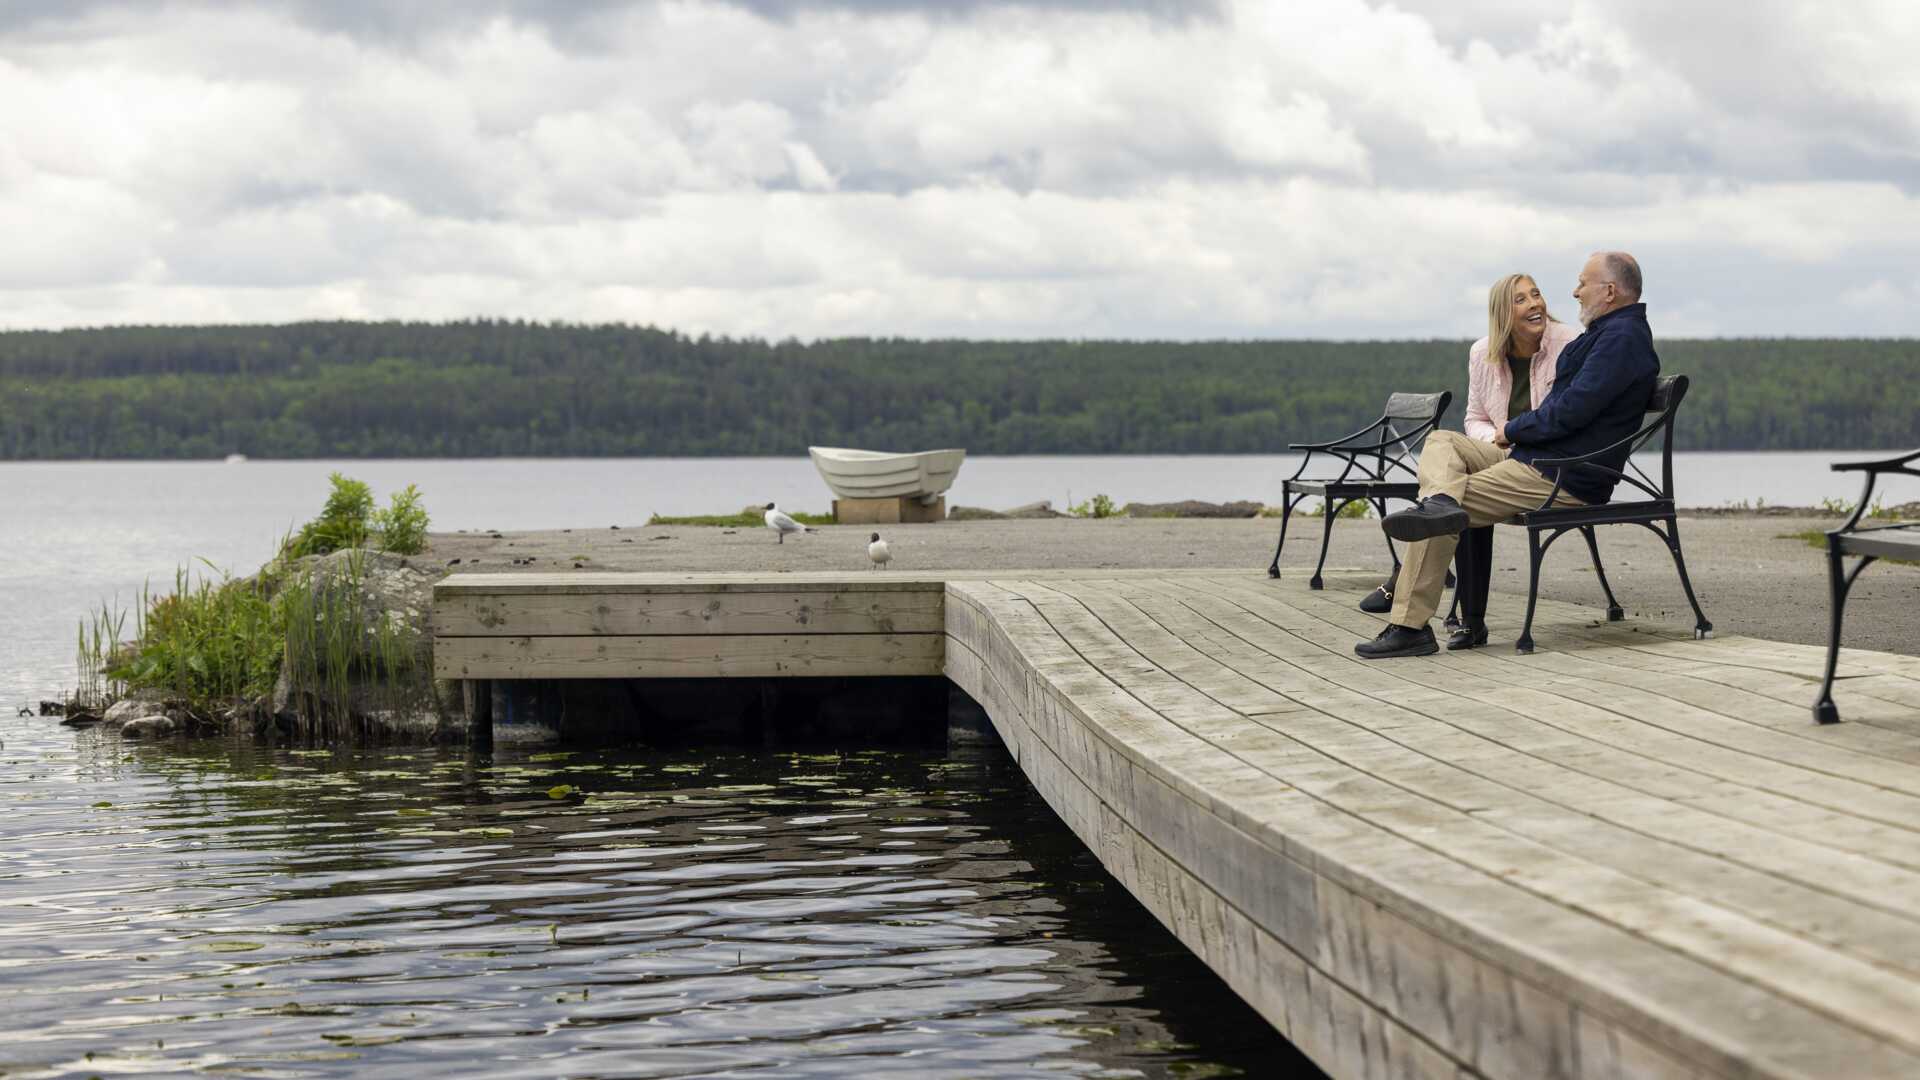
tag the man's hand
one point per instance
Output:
(1500, 439)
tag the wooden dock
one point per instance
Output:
(1629, 854)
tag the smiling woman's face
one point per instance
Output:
(1529, 307)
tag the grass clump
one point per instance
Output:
(1100, 506)
(746, 519)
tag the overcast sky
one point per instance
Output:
(1240, 168)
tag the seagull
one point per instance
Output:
(781, 524)
(878, 551)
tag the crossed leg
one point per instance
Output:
(1489, 485)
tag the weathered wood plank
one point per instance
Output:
(892, 611)
(705, 656)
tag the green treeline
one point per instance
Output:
(486, 388)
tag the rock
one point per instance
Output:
(132, 708)
(1194, 508)
(1041, 509)
(52, 708)
(379, 605)
(973, 513)
(145, 727)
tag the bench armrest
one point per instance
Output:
(1885, 465)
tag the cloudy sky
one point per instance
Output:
(1153, 168)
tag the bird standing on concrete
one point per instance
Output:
(878, 551)
(781, 524)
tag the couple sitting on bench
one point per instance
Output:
(1582, 394)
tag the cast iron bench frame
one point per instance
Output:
(1369, 471)
(1869, 544)
(1652, 512)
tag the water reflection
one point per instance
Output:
(295, 913)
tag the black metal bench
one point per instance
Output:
(1868, 544)
(1376, 463)
(1654, 512)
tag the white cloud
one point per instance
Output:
(1350, 168)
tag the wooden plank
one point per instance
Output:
(598, 582)
(706, 656)
(634, 614)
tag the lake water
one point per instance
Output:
(228, 907)
(223, 907)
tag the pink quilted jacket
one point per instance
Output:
(1489, 386)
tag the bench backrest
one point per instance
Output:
(1662, 404)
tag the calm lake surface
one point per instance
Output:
(273, 912)
(222, 907)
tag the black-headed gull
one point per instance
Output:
(878, 551)
(781, 524)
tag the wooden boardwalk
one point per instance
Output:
(1629, 854)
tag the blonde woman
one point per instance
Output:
(1508, 375)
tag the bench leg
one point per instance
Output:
(1329, 512)
(1287, 501)
(1839, 584)
(1701, 627)
(1535, 552)
(1614, 614)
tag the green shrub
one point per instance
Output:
(343, 521)
(402, 526)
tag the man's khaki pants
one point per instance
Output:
(1489, 485)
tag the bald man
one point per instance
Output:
(1601, 384)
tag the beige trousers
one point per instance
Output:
(1491, 487)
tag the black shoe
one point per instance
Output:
(1398, 641)
(1469, 636)
(1435, 515)
(1379, 601)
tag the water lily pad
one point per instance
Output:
(233, 946)
(559, 791)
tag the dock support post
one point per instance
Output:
(477, 695)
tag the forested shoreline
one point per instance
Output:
(498, 388)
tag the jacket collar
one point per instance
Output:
(1633, 312)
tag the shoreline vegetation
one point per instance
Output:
(326, 642)
(511, 388)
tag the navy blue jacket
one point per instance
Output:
(1601, 384)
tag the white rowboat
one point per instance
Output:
(873, 474)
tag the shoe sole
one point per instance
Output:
(1414, 528)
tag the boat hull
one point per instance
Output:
(872, 474)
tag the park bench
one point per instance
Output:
(1655, 511)
(1376, 463)
(1868, 544)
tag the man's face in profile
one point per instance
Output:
(1594, 292)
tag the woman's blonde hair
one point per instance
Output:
(1500, 316)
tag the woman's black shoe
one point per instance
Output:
(1377, 602)
(1468, 636)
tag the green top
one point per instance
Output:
(1520, 398)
